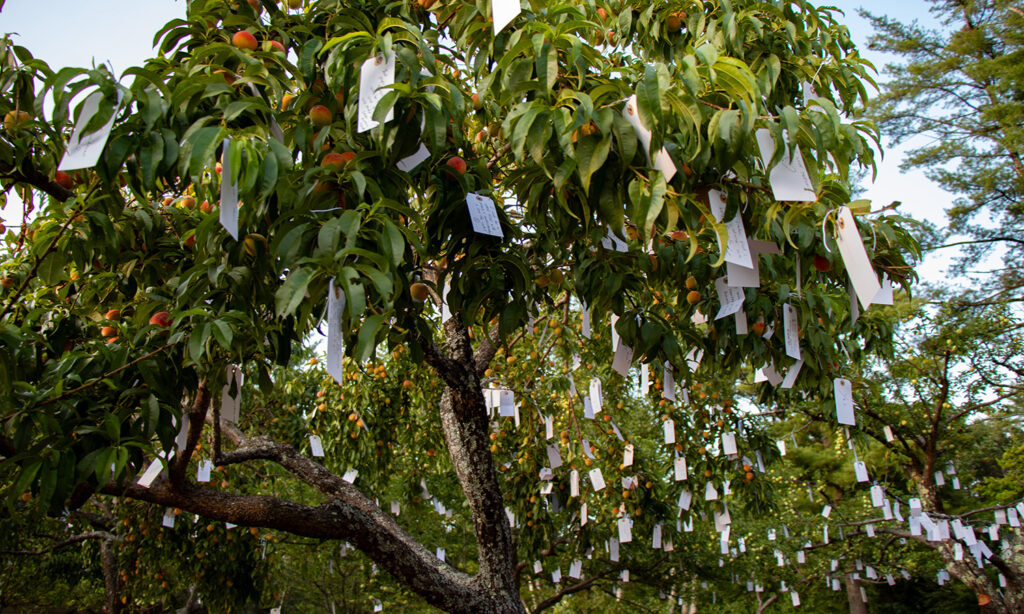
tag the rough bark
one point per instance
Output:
(853, 597)
(111, 582)
(466, 427)
(346, 513)
(1010, 601)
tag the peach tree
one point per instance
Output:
(500, 205)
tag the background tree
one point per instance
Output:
(934, 420)
(960, 86)
(124, 300)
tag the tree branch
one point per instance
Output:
(569, 590)
(196, 417)
(61, 544)
(99, 379)
(350, 516)
(37, 180)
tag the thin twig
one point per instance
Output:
(99, 379)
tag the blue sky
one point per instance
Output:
(79, 33)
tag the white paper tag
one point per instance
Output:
(742, 277)
(791, 325)
(789, 178)
(885, 295)
(680, 469)
(503, 12)
(669, 426)
(203, 471)
(574, 483)
(730, 298)
(622, 360)
(168, 519)
(408, 163)
(855, 257)
(554, 456)
(844, 401)
(771, 374)
(316, 447)
(729, 444)
(586, 449)
(737, 250)
(506, 404)
(375, 75)
(625, 530)
(685, 498)
(230, 405)
(627, 455)
(860, 470)
(595, 394)
(790, 380)
(611, 241)
(710, 494)
(83, 151)
(152, 472)
(446, 313)
(889, 436)
(484, 215)
(228, 195)
(662, 161)
(597, 479)
(335, 337)
(668, 391)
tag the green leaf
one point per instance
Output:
(202, 144)
(223, 334)
(293, 291)
(197, 341)
(367, 341)
(355, 295)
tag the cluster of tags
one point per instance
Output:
(791, 182)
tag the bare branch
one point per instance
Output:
(61, 544)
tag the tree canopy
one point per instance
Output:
(556, 212)
(960, 87)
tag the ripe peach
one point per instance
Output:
(14, 119)
(64, 180)
(320, 115)
(244, 40)
(457, 164)
(161, 319)
(822, 263)
(418, 292)
(338, 160)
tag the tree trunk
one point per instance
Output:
(111, 583)
(1007, 601)
(466, 426)
(853, 596)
